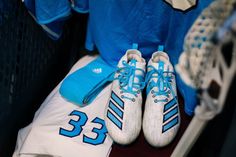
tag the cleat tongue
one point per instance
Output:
(135, 57)
(160, 57)
(132, 62)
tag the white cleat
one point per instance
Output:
(123, 115)
(161, 118)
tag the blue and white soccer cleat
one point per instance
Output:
(124, 110)
(161, 118)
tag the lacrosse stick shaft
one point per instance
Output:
(190, 136)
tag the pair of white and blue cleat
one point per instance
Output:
(161, 118)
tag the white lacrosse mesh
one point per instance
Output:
(195, 63)
(202, 65)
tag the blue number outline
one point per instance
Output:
(101, 133)
(78, 128)
(77, 125)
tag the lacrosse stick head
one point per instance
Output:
(201, 65)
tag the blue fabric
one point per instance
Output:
(114, 25)
(80, 6)
(53, 27)
(82, 86)
(51, 14)
(50, 10)
(189, 94)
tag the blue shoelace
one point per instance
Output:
(163, 83)
(126, 79)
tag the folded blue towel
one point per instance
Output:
(82, 86)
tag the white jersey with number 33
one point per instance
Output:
(62, 129)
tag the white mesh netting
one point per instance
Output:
(197, 61)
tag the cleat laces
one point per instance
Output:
(163, 83)
(127, 80)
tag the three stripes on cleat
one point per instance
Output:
(116, 110)
(170, 117)
(116, 106)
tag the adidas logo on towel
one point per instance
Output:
(97, 70)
